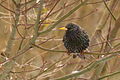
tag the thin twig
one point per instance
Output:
(109, 75)
(93, 65)
(109, 10)
(64, 17)
(48, 68)
(89, 53)
(6, 8)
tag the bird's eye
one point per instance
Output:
(70, 27)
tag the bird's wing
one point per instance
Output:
(82, 37)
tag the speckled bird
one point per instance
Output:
(75, 40)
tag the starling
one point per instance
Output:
(75, 40)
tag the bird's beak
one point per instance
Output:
(63, 28)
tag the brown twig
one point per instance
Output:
(6, 7)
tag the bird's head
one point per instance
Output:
(70, 27)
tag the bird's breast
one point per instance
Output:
(72, 36)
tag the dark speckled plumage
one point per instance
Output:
(75, 40)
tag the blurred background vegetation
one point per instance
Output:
(31, 44)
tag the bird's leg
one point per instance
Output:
(68, 52)
(74, 56)
(81, 55)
